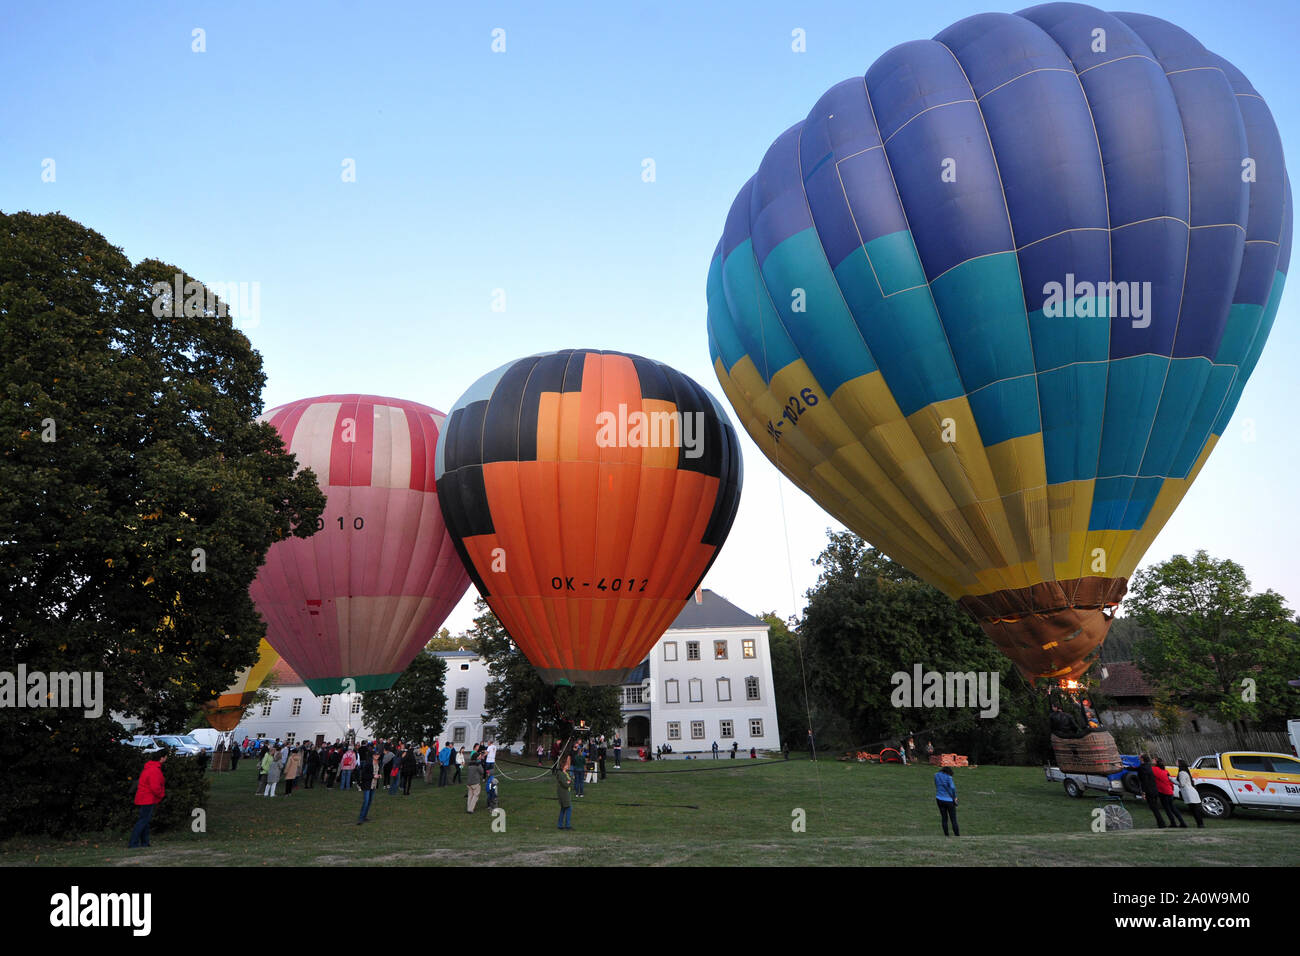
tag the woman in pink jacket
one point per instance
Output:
(148, 794)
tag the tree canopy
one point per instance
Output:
(414, 709)
(141, 495)
(869, 618)
(1214, 646)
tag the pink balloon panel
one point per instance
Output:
(351, 606)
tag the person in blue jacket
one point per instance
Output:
(945, 794)
(444, 761)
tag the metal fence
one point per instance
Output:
(1171, 747)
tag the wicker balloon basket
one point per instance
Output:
(1091, 753)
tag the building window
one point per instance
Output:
(727, 729)
(719, 650)
(748, 647)
(670, 650)
(297, 707)
(692, 650)
(464, 667)
(261, 736)
(290, 737)
(266, 710)
(672, 694)
(697, 730)
(697, 690)
(489, 734)
(674, 730)
(325, 705)
(755, 727)
(751, 688)
(356, 706)
(462, 699)
(724, 688)
(458, 735)
(632, 695)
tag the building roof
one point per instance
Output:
(454, 654)
(709, 609)
(641, 673)
(1123, 679)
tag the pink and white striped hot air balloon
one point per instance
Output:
(350, 607)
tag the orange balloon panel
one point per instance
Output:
(227, 710)
(588, 493)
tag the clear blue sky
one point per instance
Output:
(521, 171)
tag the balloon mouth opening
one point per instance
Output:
(1054, 629)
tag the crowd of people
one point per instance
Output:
(372, 766)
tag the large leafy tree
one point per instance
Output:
(1213, 645)
(140, 497)
(868, 618)
(524, 706)
(414, 709)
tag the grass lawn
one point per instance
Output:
(682, 813)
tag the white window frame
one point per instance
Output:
(325, 705)
(670, 650)
(695, 689)
(727, 729)
(297, 707)
(266, 710)
(674, 730)
(672, 691)
(459, 698)
(724, 689)
(756, 726)
(692, 650)
(697, 725)
(720, 646)
(751, 688)
(356, 706)
(290, 738)
(749, 648)
(458, 735)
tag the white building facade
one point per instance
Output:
(708, 678)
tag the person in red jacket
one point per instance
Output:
(1165, 787)
(148, 793)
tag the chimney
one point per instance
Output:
(699, 595)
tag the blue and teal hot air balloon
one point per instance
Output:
(993, 304)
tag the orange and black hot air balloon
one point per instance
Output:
(588, 493)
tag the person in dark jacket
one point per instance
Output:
(945, 794)
(234, 756)
(368, 775)
(1063, 724)
(1150, 789)
(600, 759)
(332, 760)
(149, 792)
(408, 770)
(313, 767)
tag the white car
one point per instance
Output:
(143, 743)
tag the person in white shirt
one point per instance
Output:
(1187, 790)
(491, 760)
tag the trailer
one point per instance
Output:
(1120, 782)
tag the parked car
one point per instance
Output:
(177, 742)
(206, 737)
(1245, 779)
(144, 743)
